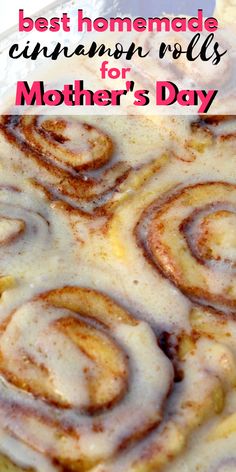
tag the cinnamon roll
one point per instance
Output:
(190, 237)
(76, 159)
(86, 382)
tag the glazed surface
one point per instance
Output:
(118, 294)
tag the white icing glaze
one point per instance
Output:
(57, 248)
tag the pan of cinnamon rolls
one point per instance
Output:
(118, 294)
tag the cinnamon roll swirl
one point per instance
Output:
(86, 382)
(76, 159)
(208, 367)
(190, 237)
(24, 231)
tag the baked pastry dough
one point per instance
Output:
(118, 295)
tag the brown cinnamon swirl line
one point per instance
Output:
(205, 133)
(188, 236)
(206, 356)
(87, 374)
(199, 244)
(20, 229)
(77, 161)
(220, 128)
(213, 325)
(209, 373)
(46, 143)
(17, 457)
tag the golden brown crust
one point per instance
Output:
(88, 320)
(173, 249)
(62, 177)
(180, 235)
